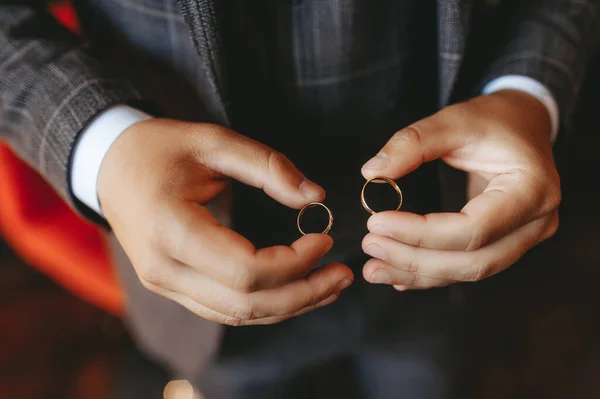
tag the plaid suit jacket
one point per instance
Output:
(52, 83)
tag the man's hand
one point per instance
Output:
(151, 187)
(502, 139)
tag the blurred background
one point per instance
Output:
(533, 332)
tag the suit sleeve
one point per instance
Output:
(550, 41)
(50, 89)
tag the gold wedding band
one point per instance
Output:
(312, 205)
(380, 179)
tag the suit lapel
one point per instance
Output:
(201, 18)
(453, 23)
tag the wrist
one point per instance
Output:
(534, 88)
(92, 146)
(524, 109)
(118, 166)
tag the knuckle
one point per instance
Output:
(151, 274)
(207, 135)
(477, 240)
(205, 155)
(479, 234)
(553, 198)
(546, 188)
(318, 305)
(149, 286)
(480, 271)
(313, 299)
(552, 227)
(551, 231)
(417, 238)
(158, 237)
(445, 272)
(420, 240)
(231, 321)
(486, 272)
(277, 162)
(245, 280)
(410, 134)
(366, 241)
(244, 312)
(413, 279)
(413, 265)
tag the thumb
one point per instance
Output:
(241, 158)
(424, 141)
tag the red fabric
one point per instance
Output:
(47, 233)
(63, 12)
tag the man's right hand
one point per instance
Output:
(152, 184)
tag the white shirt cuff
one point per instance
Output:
(91, 147)
(533, 88)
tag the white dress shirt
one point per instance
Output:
(96, 139)
(93, 144)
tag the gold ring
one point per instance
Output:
(380, 179)
(312, 205)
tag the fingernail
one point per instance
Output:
(381, 229)
(400, 288)
(311, 190)
(376, 251)
(345, 283)
(381, 276)
(379, 161)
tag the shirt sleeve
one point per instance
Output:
(92, 146)
(532, 87)
(548, 41)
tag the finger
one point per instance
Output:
(231, 154)
(197, 239)
(448, 231)
(402, 288)
(282, 301)
(276, 319)
(460, 265)
(197, 308)
(212, 315)
(423, 141)
(376, 271)
(317, 286)
(510, 201)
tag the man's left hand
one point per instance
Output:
(502, 140)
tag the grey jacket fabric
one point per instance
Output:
(52, 83)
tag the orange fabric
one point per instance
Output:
(47, 233)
